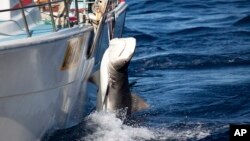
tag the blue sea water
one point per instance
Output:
(192, 65)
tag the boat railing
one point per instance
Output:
(49, 4)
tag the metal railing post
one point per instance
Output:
(77, 11)
(52, 16)
(24, 19)
(67, 11)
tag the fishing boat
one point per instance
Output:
(48, 50)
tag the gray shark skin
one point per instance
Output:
(114, 92)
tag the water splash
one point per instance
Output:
(106, 127)
(196, 133)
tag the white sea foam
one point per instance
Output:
(195, 134)
(106, 127)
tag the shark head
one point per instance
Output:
(120, 52)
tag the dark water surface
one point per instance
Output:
(192, 65)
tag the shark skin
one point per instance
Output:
(114, 93)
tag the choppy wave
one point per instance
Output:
(245, 21)
(189, 61)
(194, 30)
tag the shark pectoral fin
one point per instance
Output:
(95, 78)
(138, 103)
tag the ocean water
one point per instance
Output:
(192, 66)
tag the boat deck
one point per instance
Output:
(42, 27)
(37, 20)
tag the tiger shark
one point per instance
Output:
(114, 93)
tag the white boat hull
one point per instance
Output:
(36, 92)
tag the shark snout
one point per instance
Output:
(121, 50)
